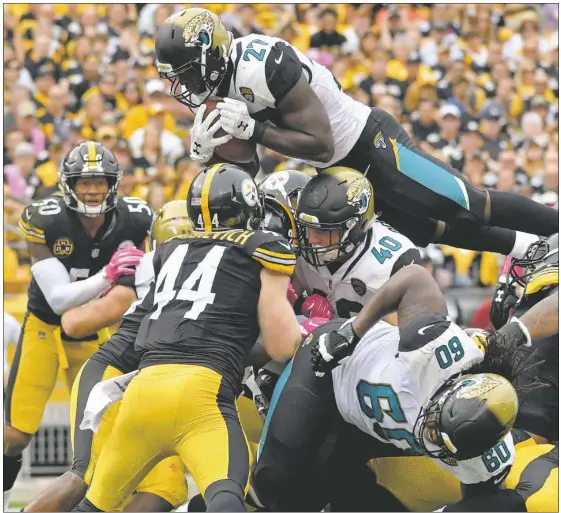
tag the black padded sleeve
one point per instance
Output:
(283, 69)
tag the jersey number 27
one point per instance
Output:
(204, 273)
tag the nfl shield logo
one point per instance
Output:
(95, 252)
(358, 286)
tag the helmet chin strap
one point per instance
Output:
(87, 209)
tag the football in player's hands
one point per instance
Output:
(235, 150)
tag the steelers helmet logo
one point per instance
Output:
(63, 247)
(249, 192)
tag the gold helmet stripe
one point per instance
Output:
(91, 151)
(207, 221)
(292, 222)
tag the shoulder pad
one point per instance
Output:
(137, 208)
(547, 277)
(421, 331)
(266, 69)
(272, 251)
(38, 216)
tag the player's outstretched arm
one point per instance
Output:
(97, 314)
(61, 292)
(279, 327)
(412, 292)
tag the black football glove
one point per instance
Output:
(502, 303)
(333, 347)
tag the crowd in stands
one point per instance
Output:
(475, 85)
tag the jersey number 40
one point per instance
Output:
(204, 273)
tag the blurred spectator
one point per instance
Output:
(425, 127)
(490, 128)
(155, 138)
(474, 168)
(22, 180)
(327, 39)
(245, 21)
(26, 122)
(137, 117)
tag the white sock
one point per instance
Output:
(523, 240)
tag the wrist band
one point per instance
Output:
(258, 130)
(524, 330)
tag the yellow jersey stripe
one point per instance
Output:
(281, 256)
(393, 142)
(31, 232)
(91, 151)
(207, 221)
(280, 268)
(523, 459)
(31, 228)
(32, 238)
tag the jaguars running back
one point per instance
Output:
(214, 292)
(80, 243)
(164, 488)
(276, 96)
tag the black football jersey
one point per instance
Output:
(51, 222)
(202, 305)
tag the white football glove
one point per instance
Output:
(235, 118)
(203, 142)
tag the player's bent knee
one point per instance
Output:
(15, 441)
(271, 484)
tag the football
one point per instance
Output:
(235, 150)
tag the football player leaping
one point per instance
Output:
(276, 96)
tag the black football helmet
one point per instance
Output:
(339, 201)
(193, 49)
(468, 416)
(285, 186)
(279, 218)
(224, 197)
(541, 260)
(90, 159)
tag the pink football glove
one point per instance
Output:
(291, 294)
(317, 306)
(120, 262)
(310, 325)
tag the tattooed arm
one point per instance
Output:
(412, 292)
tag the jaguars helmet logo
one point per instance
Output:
(379, 141)
(247, 93)
(476, 387)
(199, 30)
(359, 194)
(63, 247)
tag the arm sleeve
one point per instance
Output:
(61, 293)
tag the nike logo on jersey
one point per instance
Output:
(423, 330)
(285, 245)
(280, 58)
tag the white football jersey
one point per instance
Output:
(264, 67)
(382, 253)
(382, 387)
